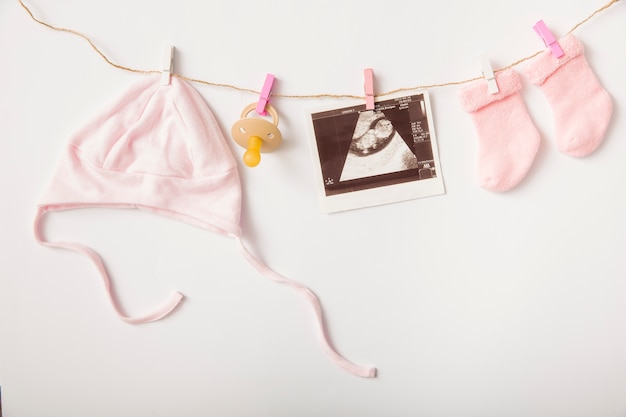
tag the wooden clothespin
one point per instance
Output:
(547, 37)
(167, 65)
(368, 73)
(266, 92)
(490, 77)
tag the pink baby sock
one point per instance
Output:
(582, 107)
(507, 139)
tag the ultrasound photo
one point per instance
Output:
(372, 157)
(376, 148)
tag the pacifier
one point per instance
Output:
(256, 134)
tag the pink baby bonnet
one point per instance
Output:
(159, 148)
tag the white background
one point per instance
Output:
(469, 304)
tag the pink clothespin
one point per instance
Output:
(547, 37)
(266, 92)
(369, 88)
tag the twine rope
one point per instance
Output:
(297, 96)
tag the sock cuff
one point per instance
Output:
(476, 95)
(545, 64)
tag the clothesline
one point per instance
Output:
(298, 96)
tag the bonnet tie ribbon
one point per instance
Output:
(357, 370)
(157, 314)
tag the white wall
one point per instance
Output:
(469, 304)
